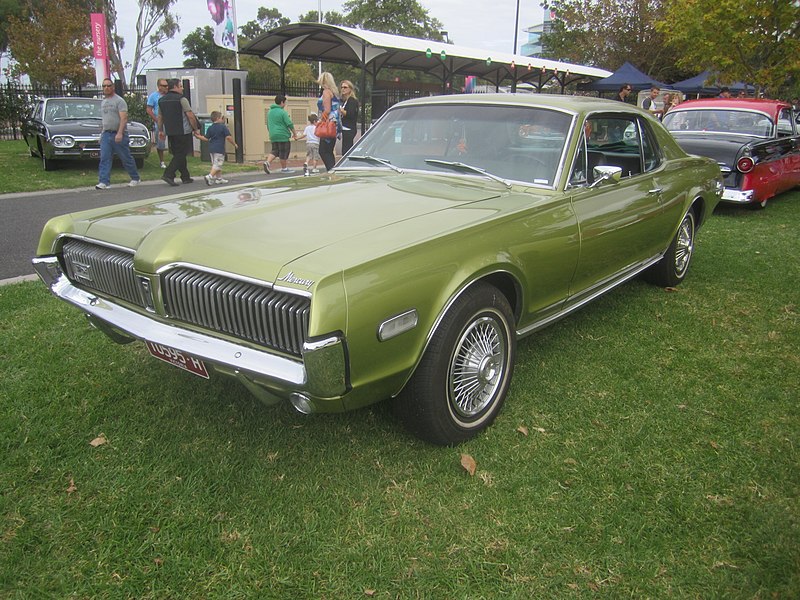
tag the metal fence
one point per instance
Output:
(17, 99)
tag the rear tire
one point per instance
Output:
(461, 383)
(672, 268)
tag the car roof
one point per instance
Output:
(577, 104)
(770, 107)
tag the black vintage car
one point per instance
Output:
(69, 128)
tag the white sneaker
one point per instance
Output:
(315, 170)
(209, 179)
(134, 182)
(220, 180)
(267, 170)
(102, 186)
(287, 170)
(163, 165)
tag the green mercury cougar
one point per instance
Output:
(455, 226)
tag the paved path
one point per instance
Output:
(24, 215)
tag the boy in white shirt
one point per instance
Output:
(312, 144)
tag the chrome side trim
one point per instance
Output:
(599, 290)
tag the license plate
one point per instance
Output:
(182, 360)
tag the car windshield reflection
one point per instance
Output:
(720, 121)
(510, 143)
(69, 109)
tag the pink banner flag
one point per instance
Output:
(102, 67)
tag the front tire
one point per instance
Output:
(672, 268)
(461, 383)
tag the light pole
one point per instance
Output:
(516, 29)
(319, 20)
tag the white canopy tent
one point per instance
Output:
(373, 51)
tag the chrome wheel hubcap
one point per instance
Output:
(684, 246)
(478, 367)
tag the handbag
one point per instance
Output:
(325, 128)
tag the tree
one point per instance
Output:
(154, 25)
(266, 19)
(8, 8)
(606, 33)
(756, 41)
(202, 52)
(52, 44)
(399, 17)
(330, 17)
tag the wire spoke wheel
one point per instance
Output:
(684, 245)
(477, 367)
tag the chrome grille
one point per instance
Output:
(101, 269)
(245, 310)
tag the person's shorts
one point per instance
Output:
(217, 160)
(312, 151)
(281, 149)
(159, 143)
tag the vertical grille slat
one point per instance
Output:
(245, 310)
(100, 269)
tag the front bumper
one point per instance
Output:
(321, 376)
(737, 196)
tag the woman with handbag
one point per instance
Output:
(349, 111)
(328, 126)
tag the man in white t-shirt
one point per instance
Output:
(651, 103)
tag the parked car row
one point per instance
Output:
(58, 129)
(455, 226)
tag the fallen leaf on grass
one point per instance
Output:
(714, 445)
(369, 593)
(72, 487)
(670, 289)
(98, 441)
(523, 430)
(469, 464)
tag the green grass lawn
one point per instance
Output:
(648, 449)
(23, 173)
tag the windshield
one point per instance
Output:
(509, 142)
(71, 108)
(721, 121)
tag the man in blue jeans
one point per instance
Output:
(114, 138)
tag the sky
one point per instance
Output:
(483, 24)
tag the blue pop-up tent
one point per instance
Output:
(627, 73)
(698, 85)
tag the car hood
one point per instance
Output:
(722, 148)
(257, 230)
(87, 127)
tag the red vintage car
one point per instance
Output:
(755, 142)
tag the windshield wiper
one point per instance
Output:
(77, 118)
(375, 159)
(459, 166)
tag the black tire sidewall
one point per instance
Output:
(425, 405)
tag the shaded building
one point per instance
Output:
(533, 47)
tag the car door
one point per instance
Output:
(789, 149)
(33, 126)
(622, 224)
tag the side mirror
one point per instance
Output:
(605, 173)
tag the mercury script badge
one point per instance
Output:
(291, 278)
